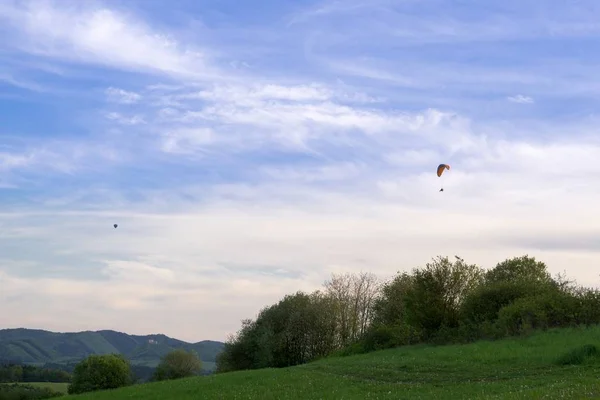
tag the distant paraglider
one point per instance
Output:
(115, 225)
(440, 170)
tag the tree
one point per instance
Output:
(238, 353)
(523, 270)
(298, 329)
(178, 364)
(100, 372)
(390, 308)
(511, 280)
(353, 297)
(437, 292)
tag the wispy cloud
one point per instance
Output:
(122, 96)
(90, 33)
(311, 145)
(521, 99)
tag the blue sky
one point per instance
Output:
(249, 150)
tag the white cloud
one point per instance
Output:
(521, 99)
(122, 96)
(59, 156)
(20, 83)
(125, 120)
(90, 33)
(187, 140)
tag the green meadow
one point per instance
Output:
(556, 364)
(54, 386)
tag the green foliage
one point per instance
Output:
(29, 373)
(99, 372)
(484, 303)
(443, 302)
(588, 306)
(382, 336)
(522, 368)
(521, 270)
(178, 364)
(390, 306)
(11, 373)
(298, 329)
(20, 391)
(548, 310)
(580, 355)
(437, 292)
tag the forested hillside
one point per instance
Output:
(63, 350)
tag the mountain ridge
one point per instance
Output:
(40, 346)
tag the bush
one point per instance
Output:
(19, 391)
(380, 337)
(485, 302)
(588, 306)
(486, 330)
(579, 355)
(178, 364)
(100, 372)
(537, 312)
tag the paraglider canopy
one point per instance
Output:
(115, 225)
(441, 168)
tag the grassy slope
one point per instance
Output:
(507, 369)
(57, 387)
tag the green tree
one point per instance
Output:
(484, 303)
(250, 347)
(511, 280)
(520, 270)
(99, 372)
(298, 329)
(436, 295)
(178, 364)
(390, 307)
(11, 373)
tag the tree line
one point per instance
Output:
(111, 371)
(446, 301)
(13, 372)
(25, 391)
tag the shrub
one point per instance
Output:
(19, 391)
(178, 364)
(588, 306)
(579, 355)
(100, 372)
(485, 302)
(537, 312)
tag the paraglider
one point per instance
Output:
(115, 225)
(440, 170)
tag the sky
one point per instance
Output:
(248, 150)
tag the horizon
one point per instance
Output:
(108, 330)
(250, 151)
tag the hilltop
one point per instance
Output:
(41, 347)
(525, 368)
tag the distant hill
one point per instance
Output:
(40, 347)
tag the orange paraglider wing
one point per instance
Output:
(441, 168)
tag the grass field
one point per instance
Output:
(57, 387)
(508, 369)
